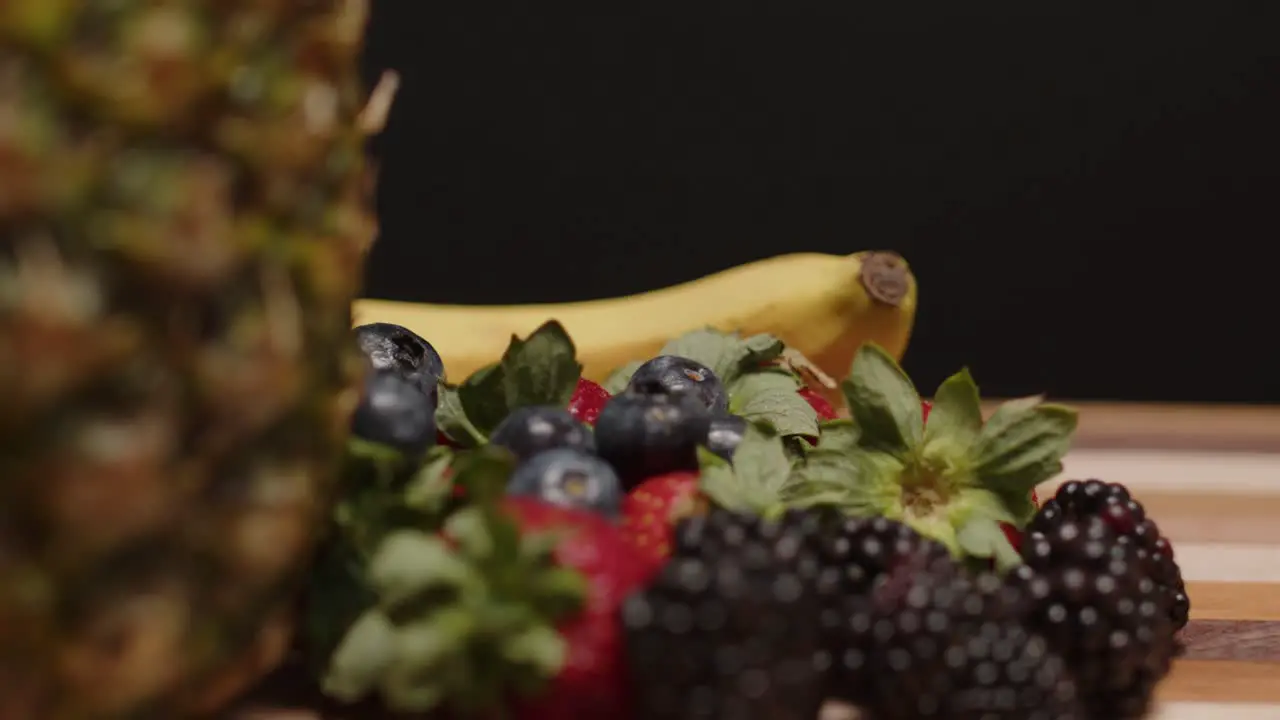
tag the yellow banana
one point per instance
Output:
(824, 306)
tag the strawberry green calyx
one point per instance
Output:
(463, 619)
(757, 481)
(954, 479)
(760, 387)
(541, 369)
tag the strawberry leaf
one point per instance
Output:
(843, 480)
(451, 418)
(956, 417)
(883, 402)
(541, 369)
(430, 489)
(838, 435)
(727, 354)
(756, 478)
(982, 537)
(409, 563)
(771, 397)
(1022, 445)
(358, 662)
(483, 398)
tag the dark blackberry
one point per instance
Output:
(1093, 599)
(727, 629)
(942, 643)
(860, 550)
(1128, 520)
(852, 553)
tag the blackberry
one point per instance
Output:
(1128, 520)
(727, 628)
(942, 643)
(1093, 600)
(860, 550)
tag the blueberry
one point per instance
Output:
(391, 347)
(569, 478)
(528, 431)
(667, 374)
(726, 434)
(396, 411)
(646, 435)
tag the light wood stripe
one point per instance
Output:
(1173, 471)
(1215, 711)
(1251, 640)
(1207, 517)
(1228, 563)
(1234, 601)
(1222, 681)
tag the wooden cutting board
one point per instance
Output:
(1210, 477)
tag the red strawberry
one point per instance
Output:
(818, 403)
(651, 509)
(1013, 534)
(925, 407)
(593, 681)
(588, 398)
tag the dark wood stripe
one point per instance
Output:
(1253, 640)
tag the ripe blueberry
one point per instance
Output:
(528, 431)
(391, 347)
(569, 478)
(667, 374)
(725, 435)
(646, 435)
(396, 411)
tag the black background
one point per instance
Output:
(1086, 193)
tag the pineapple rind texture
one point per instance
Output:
(183, 218)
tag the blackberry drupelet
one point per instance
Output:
(1128, 520)
(941, 643)
(1093, 600)
(727, 629)
(860, 550)
(853, 553)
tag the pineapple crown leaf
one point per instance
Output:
(460, 618)
(541, 369)
(760, 386)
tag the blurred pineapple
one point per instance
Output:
(182, 223)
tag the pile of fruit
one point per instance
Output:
(183, 220)
(703, 537)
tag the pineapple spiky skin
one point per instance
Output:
(183, 218)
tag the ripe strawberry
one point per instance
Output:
(587, 401)
(1013, 534)
(818, 403)
(925, 407)
(593, 681)
(651, 510)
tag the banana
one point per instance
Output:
(823, 306)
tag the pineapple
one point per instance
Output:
(183, 217)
